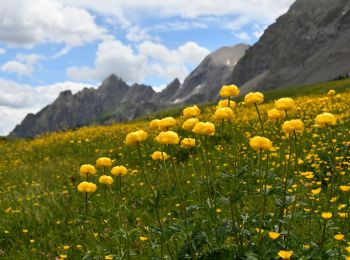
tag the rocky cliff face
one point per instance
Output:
(204, 83)
(308, 44)
(115, 101)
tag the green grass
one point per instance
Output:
(221, 179)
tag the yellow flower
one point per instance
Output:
(253, 98)
(154, 123)
(168, 137)
(274, 235)
(224, 103)
(108, 257)
(167, 123)
(65, 247)
(285, 104)
(202, 128)
(25, 231)
(326, 215)
(189, 124)
(293, 125)
(87, 187)
(306, 246)
(142, 238)
(103, 162)
(87, 169)
(119, 170)
(285, 254)
(105, 179)
(191, 112)
(316, 191)
(229, 91)
(342, 214)
(331, 93)
(339, 237)
(325, 119)
(159, 156)
(275, 114)
(344, 188)
(136, 137)
(188, 142)
(223, 113)
(260, 143)
(63, 256)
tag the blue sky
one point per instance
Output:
(47, 46)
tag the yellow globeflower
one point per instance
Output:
(331, 93)
(168, 137)
(159, 156)
(202, 128)
(189, 124)
(191, 112)
(88, 187)
(167, 123)
(339, 237)
(229, 91)
(188, 142)
(105, 179)
(103, 162)
(253, 98)
(154, 123)
(325, 119)
(87, 169)
(326, 215)
(285, 104)
(275, 114)
(293, 125)
(223, 113)
(135, 137)
(119, 170)
(285, 254)
(225, 103)
(344, 188)
(260, 143)
(274, 235)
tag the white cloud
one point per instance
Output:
(253, 10)
(2, 51)
(17, 100)
(150, 60)
(112, 57)
(137, 34)
(244, 36)
(25, 23)
(23, 65)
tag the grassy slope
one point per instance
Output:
(37, 193)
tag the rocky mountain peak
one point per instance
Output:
(308, 44)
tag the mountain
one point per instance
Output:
(116, 101)
(205, 81)
(308, 44)
(107, 103)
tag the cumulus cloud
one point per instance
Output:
(252, 10)
(244, 36)
(149, 60)
(24, 23)
(23, 65)
(112, 57)
(2, 51)
(17, 100)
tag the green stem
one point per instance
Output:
(154, 199)
(260, 120)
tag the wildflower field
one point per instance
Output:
(238, 180)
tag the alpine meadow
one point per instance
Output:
(239, 179)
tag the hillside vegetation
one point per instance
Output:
(228, 196)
